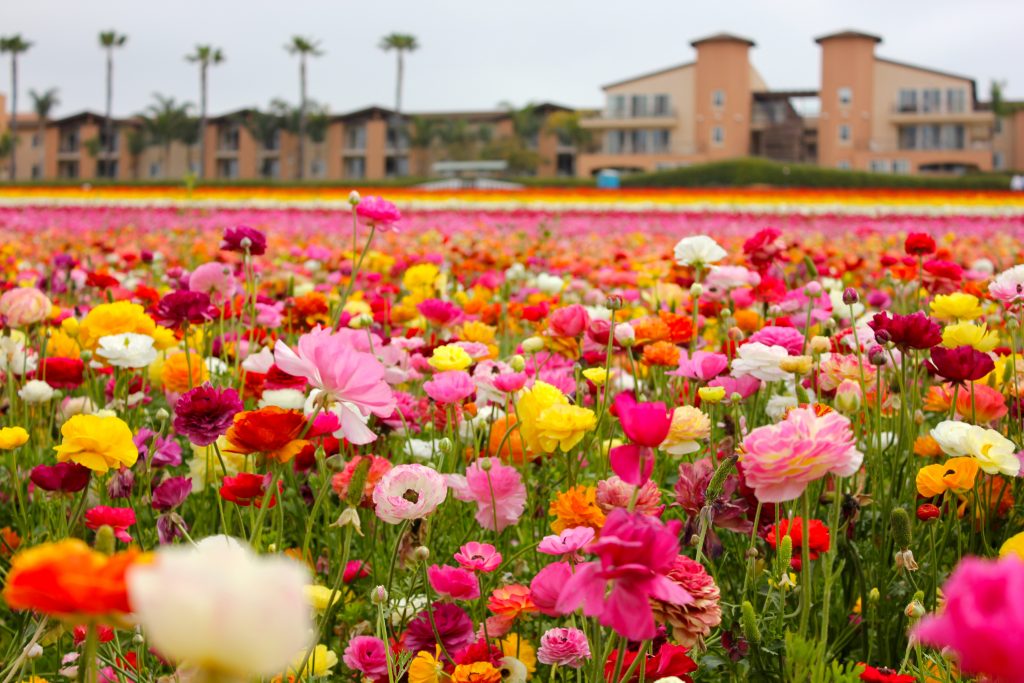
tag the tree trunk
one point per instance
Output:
(202, 121)
(301, 173)
(13, 168)
(108, 128)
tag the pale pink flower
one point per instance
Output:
(614, 493)
(24, 306)
(780, 460)
(1008, 286)
(214, 279)
(497, 490)
(564, 647)
(408, 492)
(702, 365)
(569, 542)
(451, 386)
(478, 557)
(788, 338)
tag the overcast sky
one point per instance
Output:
(475, 53)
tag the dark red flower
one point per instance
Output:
(919, 244)
(927, 512)
(244, 239)
(247, 489)
(185, 307)
(914, 331)
(61, 373)
(101, 280)
(960, 365)
(66, 477)
(818, 538)
(204, 413)
(884, 675)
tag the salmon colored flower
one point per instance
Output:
(477, 672)
(511, 601)
(99, 443)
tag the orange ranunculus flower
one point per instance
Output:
(957, 474)
(576, 507)
(563, 346)
(69, 578)
(11, 541)
(939, 399)
(989, 404)
(680, 327)
(477, 672)
(651, 330)
(661, 353)
(927, 447)
(308, 310)
(271, 430)
(747, 320)
(511, 447)
(175, 370)
(511, 601)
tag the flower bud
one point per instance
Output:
(915, 610)
(33, 651)
(517, 363)
(421, 553)
(748, 620)
(105, 541)
(696, 289)
(813, 290)
(162, 414)
(785, 554)
(484, 464)
(533, 344)
(928, 512)
(614, 303)
(625, 335)
(820, 344)
(899, 523)
(874, 596)
(850, 296)
(848, 396)
(876, 356)
(379, 595)
(138, 639)
(715, 486)
(354, 198)
(711, 394)
(735, 334)
(444, 446)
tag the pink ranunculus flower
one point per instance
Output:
(214, 279)
(478, 557)
(780, 460)
(378, 212)
(702, 365)
(546, 587)
(352, 380)
(745, 386)
(635, 553)
(368, 656)
(509, 382)
(564, 647)
(451, 386)
(614, 493)
(570, 321)
(646, 423)
(788, 338)
(439, 312)
(497, 490)
(408, 492)
(569, 542)
(983, 618)
(454, 583)
(25, 306)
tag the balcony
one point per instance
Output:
(900, 114)
(607, 121)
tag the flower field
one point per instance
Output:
(283, 434)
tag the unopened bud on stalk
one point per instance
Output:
(1012, 324)
(533, 344)
(485, 464)
(444, 445)
(162, 414)
(354, 198)
(785, 555)
(876, 356)
(725, 313)
(813, 290)
(614, 303)
(379, 595)
(421, 553)
(874, 595)
(735, 334)
(820, 344)
(33, 651)
(517, 363)
(899, 522)
(105, 541)
(715, 486)
(696, 289)
(748, 620)
(850, 296)
(138, 639)
(848, 396)
(245, 243)
(915, 610)
(750, 553)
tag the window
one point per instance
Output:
(998, 127)
(616, 106)
(928, 136)
(67, 169)
(355, 137)
(908, 100)
(227, 168)
(843, 165)
(951, 136)
(956, 101)
(355, 167)
(396, 166)
(37, 171)
(106, 168)
(615, 141)
(998, 162)
(717, 135)
(908, 137)
(844, 132)
(638, 105)
(718, 98)
(317, 168)
(662, 106)
(270, 168)
(931, 100)
(639, 141)
(36, 139)
(879, 166)
(229, 138)
(154, 169)
(845, 96)
(901, 166)
(69, 141)
(397, 138)
(660, 140)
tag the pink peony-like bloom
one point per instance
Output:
(204, 413)
(1008, 286)
(453, 583)
(745, 386)
(564, 647)
(118, 519)
(692, 622)
(497, 490)
(451, 386)
(569, 321)
(569, 542)
(780, 460)
(636, 552)
(24, 306)
(243, 239)
(368, 656)
(447, 622)
(983, 618)
(408, 492)
(788, 338)
(214, 279)
(509, 382)
(378, 212)
(614, 493)
(702, 365)
(478, 557)
(546, 587)
(439, 312)
(353, 380)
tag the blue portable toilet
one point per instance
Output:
(608, 179)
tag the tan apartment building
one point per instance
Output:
(872, 114)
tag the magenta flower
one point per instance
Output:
(157, 450)
(780, 460)
(204, 413)
(478, 557)
(378, 212)
(352, 380)
(171, 493)
(65, 477)
(645, 424)
(454, 627)
(564, 647)
(497, 490)
(631, 463)
(439, 312)
(788, 338)
(546, 587)
(569, 321)
(451, 386)
(702, 365)
(368, 656)
(118, 519)
(569, 542)
(453, 583)
(183, 307)
(244, 239)
(636, 552)
(745, 386)
(983, 620)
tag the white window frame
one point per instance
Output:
(845, 96)
(717, 136)
(718, 98)
(845, 133)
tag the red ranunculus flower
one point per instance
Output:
(61, 373)
(919, 244)
(670, 660)
(247, 489)
(960, 365)
(818, 538)
(915, 331)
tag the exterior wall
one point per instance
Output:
(1009, 141)
(376, 143)
(332, 149)
(723, 66)
(846, 62)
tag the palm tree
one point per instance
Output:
(43, 104)
(15, 45)
(164, 123)
(304, 48)
(109, 40)
(205, 56)
(400, 43)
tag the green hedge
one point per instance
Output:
(746, 172)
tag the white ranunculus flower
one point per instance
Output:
(698, 250)
(951, 435)
(289, 399)
(222, 607)
(35, 391)
(549, 284)
(514, 671)
(994, 452)
(15, 357)
(778, 405)
(760, 361)
(127, 350)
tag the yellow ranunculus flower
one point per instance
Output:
(968, 334)
(426, 667)
(12, 437)
(711, 394)
(421, 277)
(957, 474)
(596, 375)
(163, 339)
(1013, 545)
(319, 597)
(62, 345)
(450, 357)
(99, 443)
(563, 426)
(530, 405)
(114, 318)
(513, 646)
(476, 331)
(320, 662)
(957, 306)
(175, 370)
(689, 427)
